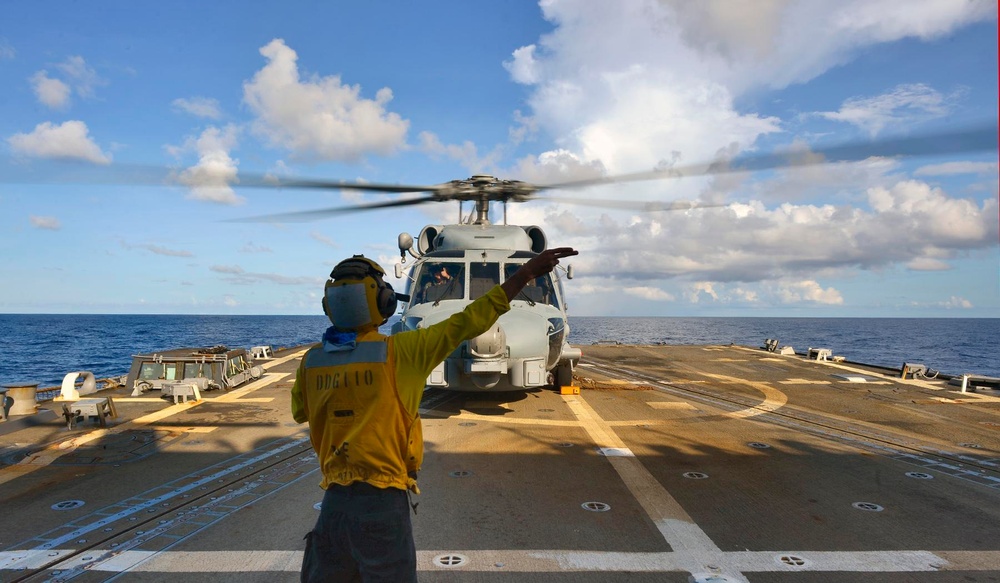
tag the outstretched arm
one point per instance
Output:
(537, 266)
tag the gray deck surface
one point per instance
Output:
(674, 463)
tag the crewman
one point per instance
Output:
(360, 392)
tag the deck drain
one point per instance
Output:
(791, 560)
(466, 424)
(695, 475)
(870, 507)
(460, 474)
(970, 445)
(546, 410)
(596, 506)
(450, 561)
(68, 504)
(709, 578)
(919, 475)
(759, 445)
(564, 444)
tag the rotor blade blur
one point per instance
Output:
(75, 172)
(635, 205)
(964, 141)
(315, 215)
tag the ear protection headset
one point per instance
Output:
(379, 294)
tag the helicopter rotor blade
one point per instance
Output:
(635, 205)
(314, 215)
(966, 140)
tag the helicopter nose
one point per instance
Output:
(489, 344)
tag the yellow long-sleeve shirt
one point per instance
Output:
(362, 405)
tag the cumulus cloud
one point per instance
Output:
(319, 118)
(956, 302)
(649, 293)
(211, 177)
(69, 140)
(77, 77)
(809, 291)
(203, 107)
(51, 92)
(48, 223)
(631, 87)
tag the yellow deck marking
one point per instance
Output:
(267, 379)
(48, 455)
(803, 382)
(484, 404)
(138, 399)
(773, 398)
(674, 523)
(670, 405)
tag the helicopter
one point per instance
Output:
(454, 264)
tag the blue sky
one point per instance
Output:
(423, 93)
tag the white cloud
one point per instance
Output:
(211, 177)
(523, 67)
(203, 107)
(48, 223)
(319, 117)
(956, 302)
(905, 104)
(69, 140)
(636, 85)
(700, 289)
(809, 291)
(51, 92)
(83, 77)
(649, 293)
(77, 76)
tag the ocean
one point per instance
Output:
(43, 348)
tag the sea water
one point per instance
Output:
(43, 348)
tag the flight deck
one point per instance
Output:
(672, 463)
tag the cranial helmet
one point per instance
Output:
(356, 297)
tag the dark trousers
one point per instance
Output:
(363, 534)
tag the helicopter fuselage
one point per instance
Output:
(527, 347)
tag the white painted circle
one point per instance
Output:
(596, 506)
(68, 504)
(451, 560)
(695, 475)
(868, 506)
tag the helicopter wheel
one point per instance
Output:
(564, 375)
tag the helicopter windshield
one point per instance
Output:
(439, 281)
(482, 278)
(538, 290)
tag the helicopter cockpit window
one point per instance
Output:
(538, 290)
(482, 278)
(439, 281)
